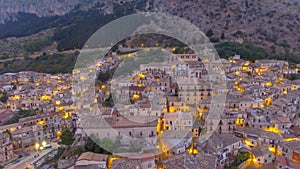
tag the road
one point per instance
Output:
(25, 162)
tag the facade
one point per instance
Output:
(6, 148)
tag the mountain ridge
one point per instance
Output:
(271, 24)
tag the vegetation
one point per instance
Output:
(209, 33)
(84, 25)
(78, 150)
(109, 102)
(249, 51)
(246, 50)
(294, 77)
(107, 144)
(72, 29)
(241, 157)
(37, 44)
(56, 63)
(4, 97)
(21, 114)
(67, 137)
(95, 148)
(104, 76)
(180, 50)
(26, 24)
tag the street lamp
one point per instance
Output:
(37, 146)
(44, 143)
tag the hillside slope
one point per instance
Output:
(271, 24)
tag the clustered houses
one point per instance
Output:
(41, 106)
(261, 110)
(6, 148)
(164, 108)
(260, 116)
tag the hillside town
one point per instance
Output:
(183, 112)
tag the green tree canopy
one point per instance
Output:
(67, 137)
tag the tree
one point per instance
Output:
(93, 143)
(67, 137)
(209, 33)
(79, 150)
(107, 144)
(222, 36)
(109, 102)
(4, 97)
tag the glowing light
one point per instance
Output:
(103, 87)
(244, 68)
(42, 122)
(172, 109)
(37, 146)
(57, 102)
(232, 61)
(16, 97)
(173, 49)
(142, 45)
(96, 100)
(186, 108)
(285, 91)
(272, 129)
(268, 102)
(290, 139)
(110, 160)
(136, 96)
(239, 88)
(67, 115)
(237, 72)
(192, 150)
(254, 159)
(139, 85)
(58, 134)
(44, 143)
(272, 149)
(82, 78)
(248, 143)
(60, 108)
(269, 84)
(262, 69)
(45, 98)
(239, 122)
(141, 75)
